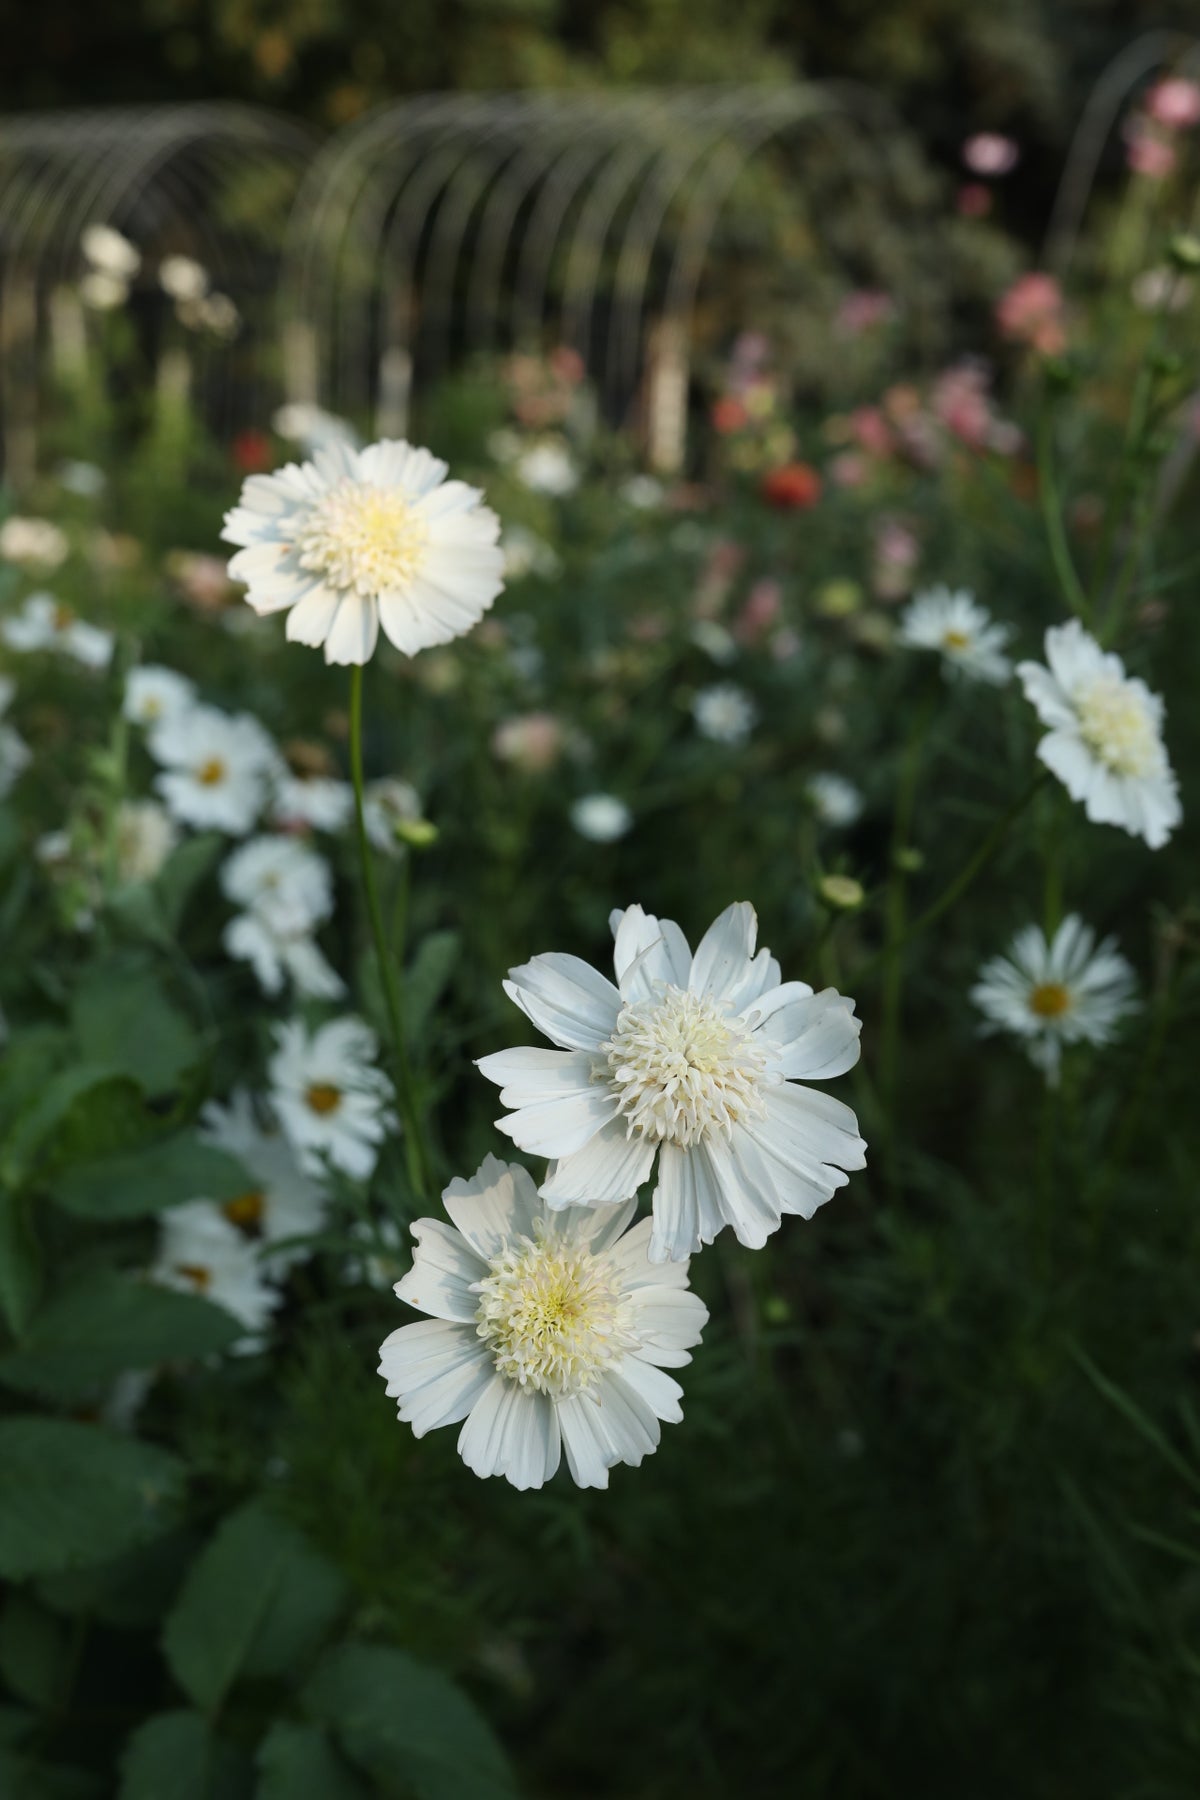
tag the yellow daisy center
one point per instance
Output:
(211, 773)
(200, 1277)
(954, 639)
(323, 1098)
(363, 540)
(1118, 726)
(683, 1067)
(245, 1210)
(551, 1315)
(1050, 1000)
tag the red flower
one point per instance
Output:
(729, 415)
(252, 451)
(792, 488)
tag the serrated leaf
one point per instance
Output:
(404, 1723)
(72, 1495)
(124, 1020)
(102, 1325)
(177, 1756)
(257, 1602)
(182, 1167)
(298, 1762)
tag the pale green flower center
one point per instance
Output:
(683, 1067)
(551, 1315)
(363, 540)
(1117, 726)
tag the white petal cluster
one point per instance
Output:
(14, 751)
(356, 539)
(1051, 993)
(217, 769)
(601, 818)
(146, 836)
(38, 542)
(282, 1203)
(285, 891)
(331, 1100)
(154, 694)
(1105, 739)
(952, 622)
(836, 801)
(44, 623)
(202, 1252)
(725, 713)
(319, 802)
(693, 1062)
(548, 1333)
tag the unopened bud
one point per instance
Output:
(418, 834)
(841, 892)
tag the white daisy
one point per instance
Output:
(153, 693)
(282, 1202)
(1105, 740)
(968, 639)
(601, 818)
(201, 1252)
(696, 1057)
(330, 1099)
(1067, 991)
(388, 803)
(547, 467)
(317, 801)
(36, 541)
(548, 1332)
(359, 538)
(286, 891)
(836, 801)
(217, 768)
(44, 623)
(146, 836)
(725, 713)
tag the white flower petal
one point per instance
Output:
(444, 1267)
(498, 1203)
(611, 1166)
(566, 998)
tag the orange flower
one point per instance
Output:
(793, 488)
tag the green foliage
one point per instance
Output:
(176, 1756)
(182, 1167)
(299, 1762)
(74, 1494)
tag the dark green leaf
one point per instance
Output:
(177, 1168)
(258, 1601)
(34, 1651)
(177, 1757)
(20, 1273)
(94, 1330)
(298, 1762)
(182, 874)
(404, 1723)
(122, 1018)
(71, 1495)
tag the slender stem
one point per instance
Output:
(895, 905)
(389, 973)
(1052, 516)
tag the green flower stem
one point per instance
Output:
(389, 972)
(895, 909)
(1052, 516)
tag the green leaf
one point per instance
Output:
(132, 1591)
(298, 1762)
(20, 1268)
(72, 1495)
(123, 1019)
(177, 1757)
(101, 1325)
(34, 1653)
(182, 874)
(257, 1601)
(61, 1111)
(177, 1168)
(404, 1723)
(23, 1778)
(426, 979)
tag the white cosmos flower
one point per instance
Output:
(37, 541)
(278, 956)
(146, 836)
(387, 803)
(153, 693)
(725, 713)
(694, 1060)
(836, 801)
(359, 538)
(1105, 739)
(217, 768)
(109, 252)
(201, 1252)
(44, 623)
(547, 467)
(281, 1201)
(318, 801)
(329, 1097)
(286, 891)
(1066, 991)
(182, 277)
(549, 1332)
(601, 818)
(968, 639)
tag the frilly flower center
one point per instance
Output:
(684, 1067)
(1049, 1000)
(363, 540)
(1117, 726)
(323, 1098)
(551, 1315)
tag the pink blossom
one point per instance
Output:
(990, 153)
(960, 401)
(1147, 151)
(760, 611)
(862, 311)
(896, 550)
(1174, 102)
(849, 470)
(532, 741)
(871, 431)
(1031, 312)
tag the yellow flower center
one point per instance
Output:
(199, 1276)
(363, 540)
(211, 773)
(1050, 1000)
(245, 1210)
(323, 1098)
(956, 640)
(1118, 726)
(64, 618)
(551, 1315)
(683, 1067)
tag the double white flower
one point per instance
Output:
(286, 892)
(691, 1060)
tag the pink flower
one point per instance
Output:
(990, 153)
(849, 470)
(863, 311)
(760, 611)
(871, 431)
(960, 401)
(532, 742)
(1031, 312)
(1148, 155)
(1174, 102)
